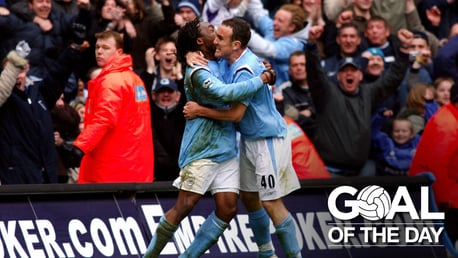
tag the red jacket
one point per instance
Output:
(306, 160)
(117, 137)
(437, 152)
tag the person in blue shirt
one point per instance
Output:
(207, 157)
(396, 151)
(279, 37)
(266, 168)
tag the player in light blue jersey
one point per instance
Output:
(266, 171)
(208, 151)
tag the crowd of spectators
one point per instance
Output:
(313, 45)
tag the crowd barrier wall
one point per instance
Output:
(117, 220)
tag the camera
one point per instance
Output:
(413, 55)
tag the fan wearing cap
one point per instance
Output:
(168, 126)
(189, 10)
(349, 75)
(375, 64)
(437, 152)
(344, 110)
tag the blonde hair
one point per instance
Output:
(298, 15)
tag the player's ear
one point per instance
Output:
(199, 41)
(236, 44)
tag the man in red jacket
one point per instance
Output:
(117, 138)
(437, 152)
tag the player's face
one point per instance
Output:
(207, 34)
(223, 42)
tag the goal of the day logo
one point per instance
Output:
(379, 212)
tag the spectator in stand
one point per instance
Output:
(393, 12)
(117, 135)
(332, 8)
(27, 152)
(280, 37)
(378, 34)
(394, 153)
(14, 65)
(80, 107)
(147, 29)
(437, 152)
(375, 64)
(414, 24)
(348, 39)
(358, 12)
(313, 12)
(105, 15)
(46, 30)
(162, 62)
(420, 106)
(421, 68)
(216, 11)
(66, 6)
(446, 62)
(453, 31)
(344, 111)
(442, 86)
(298, 103)
(66, 121)
(168, 127)
(439, 16)
(188, 10)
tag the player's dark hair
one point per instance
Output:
(187, 39)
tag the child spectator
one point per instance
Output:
(420, 106)
(443, 86)
(396, 151)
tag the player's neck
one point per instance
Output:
(235, 56)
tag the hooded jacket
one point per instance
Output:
(117, 137)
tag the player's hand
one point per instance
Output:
(190, 110)
(267, 64)
(195, 58)
(269, 76)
